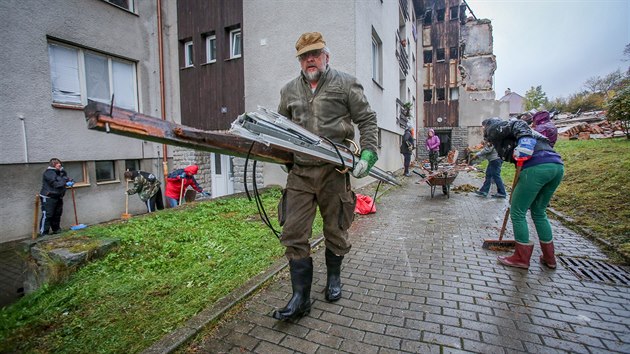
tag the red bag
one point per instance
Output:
(365, 205)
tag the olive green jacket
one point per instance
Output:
(330, 111)
(146, 185)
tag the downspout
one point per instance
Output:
(162, 94)
(21, 117)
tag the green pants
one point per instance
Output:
(533, 192)
(309, 187)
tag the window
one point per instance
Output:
(105, 171)
(428, 56)
(427, 18)
(125, 4)
(454, 11)
(132, 165)
(453, 53)
(439, 15)
(454, 93)
(428, 95)
(211, 49)
(188, 54)
(439, 55)
(76, 171)
(235, 43)
(377, 58)
(77, 75)
(439, 93)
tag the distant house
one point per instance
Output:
(516, 102)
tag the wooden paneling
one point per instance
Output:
(206, 89)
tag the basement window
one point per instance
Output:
(440, 94)
(132, 165)
(428, 95)
(454, 11)
(428, 56)
(77, 171)
(440, 14)
(125, 4)
(440, 54)
(105, 171)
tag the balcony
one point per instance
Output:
(401, 55)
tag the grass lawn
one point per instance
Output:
(170, 265)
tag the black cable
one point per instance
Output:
(259, 204)
(334, 145)
(375, 193)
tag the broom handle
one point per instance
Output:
(127, 199)
(519, 165)
(181, 192)
(74, 204)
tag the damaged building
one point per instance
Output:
(456, 78)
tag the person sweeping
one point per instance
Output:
(147, 186)
(542, 170)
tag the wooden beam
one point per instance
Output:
(114, 120)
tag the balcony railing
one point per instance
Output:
(401, 55)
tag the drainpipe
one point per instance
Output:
(162, 94)
(21, 117)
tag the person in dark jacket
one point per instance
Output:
(541, 172)
(147, 186)
(54, 183)
(541, 122)
(177, 182)
(406, 148)
(327, 102)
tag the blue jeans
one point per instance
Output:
(493, 173)
(172, 202)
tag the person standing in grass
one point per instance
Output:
(493, 171)
(326, 102)
(54, 183)
(177, 182)
(541, 173)
(148, 188)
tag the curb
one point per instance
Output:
(176, 338)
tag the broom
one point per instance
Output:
(126, 214)
(501, 243)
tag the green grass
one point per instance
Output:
(594, 191)
(170, 265)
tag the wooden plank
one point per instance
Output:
(102, 117)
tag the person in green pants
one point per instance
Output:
(542, 170)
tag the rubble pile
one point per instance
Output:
(590, 125)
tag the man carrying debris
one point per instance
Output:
(326, 102)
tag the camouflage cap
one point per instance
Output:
(309, 41)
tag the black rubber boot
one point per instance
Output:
(301, 279)
(333, 279)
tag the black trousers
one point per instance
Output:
(52, 208)
(155, 202)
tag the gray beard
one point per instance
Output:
(313, 76)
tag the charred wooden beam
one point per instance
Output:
(111, 119)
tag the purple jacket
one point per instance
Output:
(433, 143)
(542, 124)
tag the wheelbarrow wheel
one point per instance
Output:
(445, 190)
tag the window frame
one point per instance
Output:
(427, 95)
(211, 52)
(236, 33)
(82, 180)
(440, 94)
(82, 76)
(377, 58)
(189, 54)
(114, 177)
(130, 5)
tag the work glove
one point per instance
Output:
(183, 175)
(524, 149)
(205, 193)
(69, 184)
(365, 164)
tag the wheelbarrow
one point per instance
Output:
(444, 179)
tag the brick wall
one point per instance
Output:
(459, 140)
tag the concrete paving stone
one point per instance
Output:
(615, 327)
(547, 322)
(399, 316)
(602, 334)
(352, 346)
(520, 335)
(324, 339)
(402, 332)
(537, 348)
(357, 314)
(368, 326)
(479, 326)
(441, 319)
(565, 345)
(303, 345)
(461, 332)
(267, 334)
(471, 346)
(499, 321)
(292, 329)
(420, 347)
(422, 325)
(381, 340)
(377, 309)
(270, 348)
(242, 340)
(440, 339)
(502, 341)
(335, 318)
(618, 346)
(587, 340)
(461, 314)
(577, 317)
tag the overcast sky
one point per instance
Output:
(558, 44)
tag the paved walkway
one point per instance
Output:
(418, 280)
